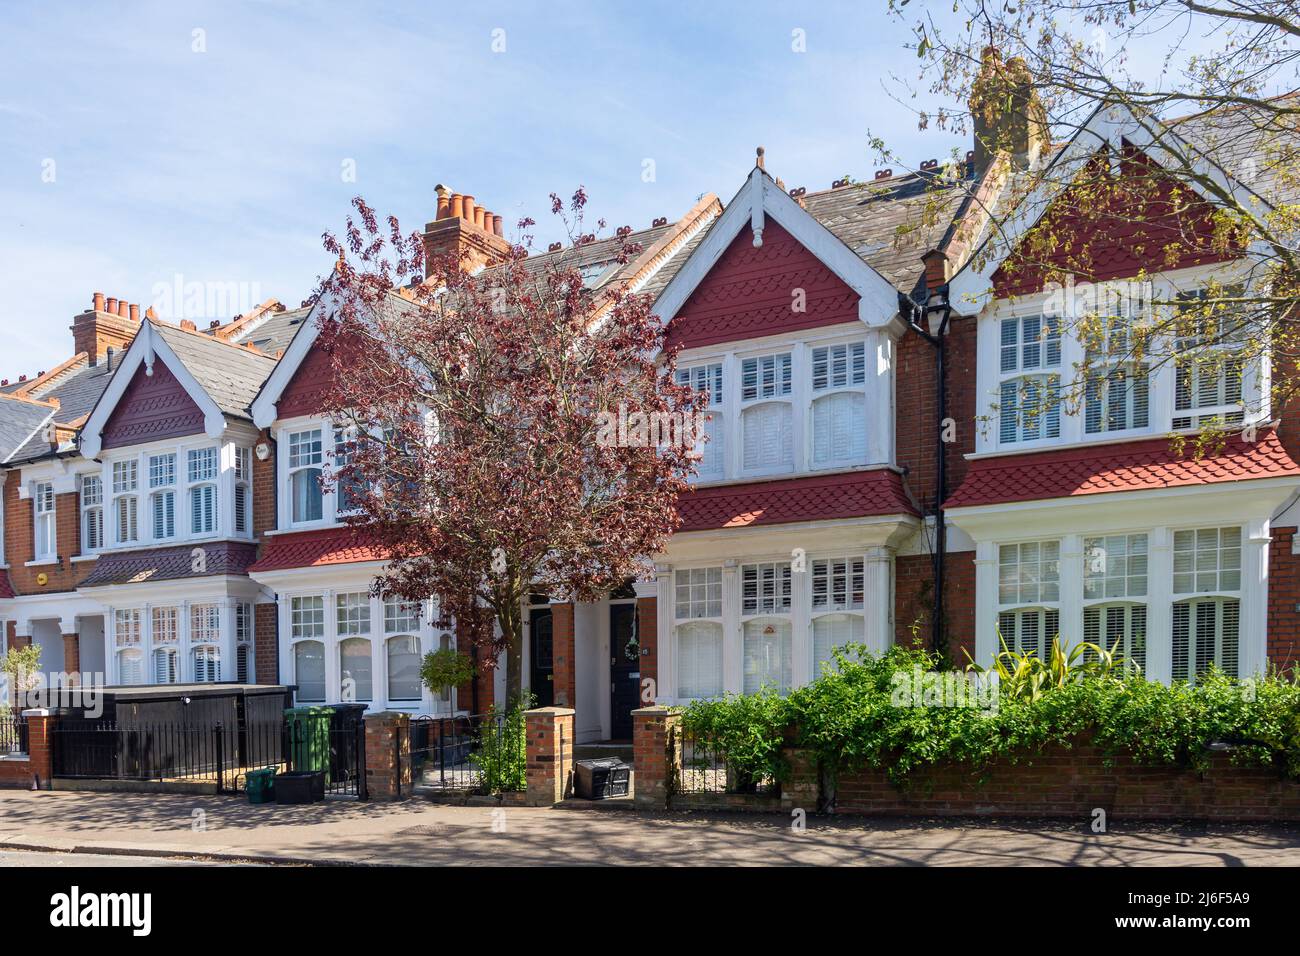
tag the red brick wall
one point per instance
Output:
(914, 601)
(266, 643)
(20, 543)
(1283, 600)
(565, 676)
(751, 292)
(264, 496)
(1072, 783)
(647, 629)
(917, 417)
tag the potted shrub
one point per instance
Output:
(443, 669)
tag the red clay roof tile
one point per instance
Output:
(1132, 466)
(850, 495)
(310, 549)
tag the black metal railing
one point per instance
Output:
(213, 753)
(702, 767)
(13, 733)
(481, 753)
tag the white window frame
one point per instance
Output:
(125, 474)
(699, 608)
(202, 491)
(1046, 602)
(92, 513)
(851, 570)
(45, 527)
(710, 377)
(292, 469)
(242, 495)
(772, 605)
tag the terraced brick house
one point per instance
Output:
(838, 334)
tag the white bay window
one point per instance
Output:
(839, 405)
(1029, 593)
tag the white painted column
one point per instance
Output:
(288, 674)
(732, 636)
(878, 599)
(986, 602)
(226, 633)
(110, 646)
(1252, 638)
(1160, 584)
(333, 672)
(665, 613)
(378, 655)
(801, 649)
(801, 406)
(730, 417)
(184, 648)
(1071, 602)
(880, 351)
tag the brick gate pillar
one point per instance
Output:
(388, 755)
(563, 647)
(72, 657)
(549, 755)
(40, 728)
(652, 728)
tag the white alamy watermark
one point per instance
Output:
(918, 688)
(1125, 298)
(632, 428)
(183, 298)
(39, 690)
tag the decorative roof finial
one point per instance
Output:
(759, 157)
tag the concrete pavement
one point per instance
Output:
(416, 832)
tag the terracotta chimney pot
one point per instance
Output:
(497, 225)
(112, 305)
(121, 308)
(99, 302)
(135, 312)
(469, 207)
(444, 202)
(457, 210)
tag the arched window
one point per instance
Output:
(404, 668)
(309, 670)
(355, 670)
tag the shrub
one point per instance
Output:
(500, 750)
(850, 719)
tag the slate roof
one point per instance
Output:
(854, 494)
(311, 549)
(274, 333)
(20, 422)
(891, 223)
(1132, 466)
(77, 390)
(230, 374)
(170, 564)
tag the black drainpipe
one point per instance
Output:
(918, 313)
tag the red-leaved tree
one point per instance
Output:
(482, 447)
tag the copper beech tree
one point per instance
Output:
(475, 411)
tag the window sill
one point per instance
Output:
(43, 563)
(82, 558)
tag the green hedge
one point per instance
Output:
(850, 719)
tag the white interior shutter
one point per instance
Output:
(767, 436)
(839, 428)
(699, 660)
(831, 631)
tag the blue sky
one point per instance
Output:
(226, 165)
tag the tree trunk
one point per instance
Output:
(510, 619)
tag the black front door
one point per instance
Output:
(624, 670)
(542, 664)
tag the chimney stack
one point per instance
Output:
(463, 228)
(1006, 112)
(110, 323)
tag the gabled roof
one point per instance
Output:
(1117, 129)
(221, 378)
(1132, 466)
(759, 198)
(660, 255)
(854, 494)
